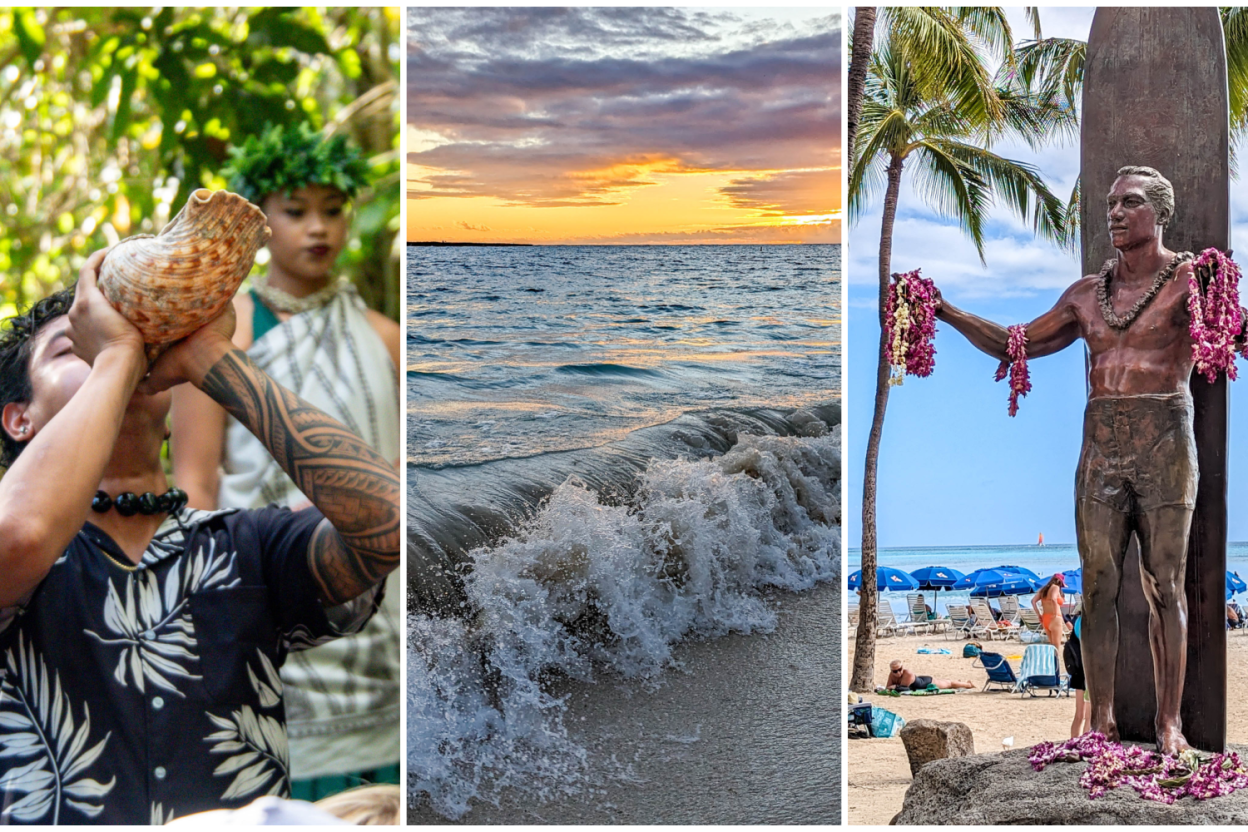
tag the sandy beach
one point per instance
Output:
(879, 772)
(742, 733)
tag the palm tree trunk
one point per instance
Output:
(864, 38)
(863, 678)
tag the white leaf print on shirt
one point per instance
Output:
(153, 622)
(257, 744)
(41, 747)
(159, 817)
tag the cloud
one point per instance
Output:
(581, 106)
(470, 227)
(792, 192)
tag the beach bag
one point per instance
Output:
(970, 650)
(885, 724)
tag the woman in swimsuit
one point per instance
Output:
(1048, 605)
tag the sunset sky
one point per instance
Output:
(623, 125)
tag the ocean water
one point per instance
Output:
(1043, 560)
(513, 352)
(622, 450)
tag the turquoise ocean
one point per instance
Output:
(1043, 560)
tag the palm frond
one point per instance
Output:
(991, 27)
(1050, 68)
(953, 189)
(941, 48)
(1235, 31)
(1037, 120)
(1033, 18)
(1020, 186)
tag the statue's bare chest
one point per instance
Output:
(1162, 325)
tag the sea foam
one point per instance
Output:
(586, 587)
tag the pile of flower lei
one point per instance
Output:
(1154, 776)
(910, 317)
(1016, 366)
(1215, 313)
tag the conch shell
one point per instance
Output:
(172, 284)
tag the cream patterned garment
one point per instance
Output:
(342, 698)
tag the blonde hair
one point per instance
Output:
(365, 806)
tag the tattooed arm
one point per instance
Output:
(356, 489)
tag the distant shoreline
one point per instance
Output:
(468, 244)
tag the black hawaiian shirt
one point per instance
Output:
(135, 694)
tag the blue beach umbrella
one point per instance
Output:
(886, 578)
(1234, 584)
(1001, 580)
(936, 577)
(1022, 570)
(1074, 581)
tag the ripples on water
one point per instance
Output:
(520, 351)
(625, 446)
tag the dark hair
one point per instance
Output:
(16, 339)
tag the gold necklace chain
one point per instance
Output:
(129, 567)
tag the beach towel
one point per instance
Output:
(927, 651)
(930, 690)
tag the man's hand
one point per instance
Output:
(190, 358)
(94, 325)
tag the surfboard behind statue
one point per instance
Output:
(1155, 94)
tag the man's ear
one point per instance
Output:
(16, 422)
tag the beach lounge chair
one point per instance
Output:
(885, 622)
(1010, 609)
(986, 620)
(918, 615)
(1040, 671)
(999, 671)
(911, 598)
(1031, 621)
(853, 619)
(960, 625)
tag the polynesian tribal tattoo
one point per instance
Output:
(353, 486)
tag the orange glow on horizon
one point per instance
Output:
(639, 200)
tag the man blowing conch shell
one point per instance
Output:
(140, 640)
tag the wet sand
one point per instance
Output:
(879, 772)
(748, 731)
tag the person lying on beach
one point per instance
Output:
(901, 678)
(140, 640)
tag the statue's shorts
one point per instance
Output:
(1139, 452)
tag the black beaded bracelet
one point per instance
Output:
(129, 503)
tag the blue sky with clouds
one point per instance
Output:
(955, 469)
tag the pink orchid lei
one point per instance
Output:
(1154, 776)
(1215, 313)
(1016, 366)
(910, 317)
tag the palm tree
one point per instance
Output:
(941, 38)
(915, 113)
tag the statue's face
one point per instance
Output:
(1132, 218)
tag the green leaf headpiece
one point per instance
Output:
(284, 159)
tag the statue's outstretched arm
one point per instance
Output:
(1051, 332)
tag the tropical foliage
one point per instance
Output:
(110, 117)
